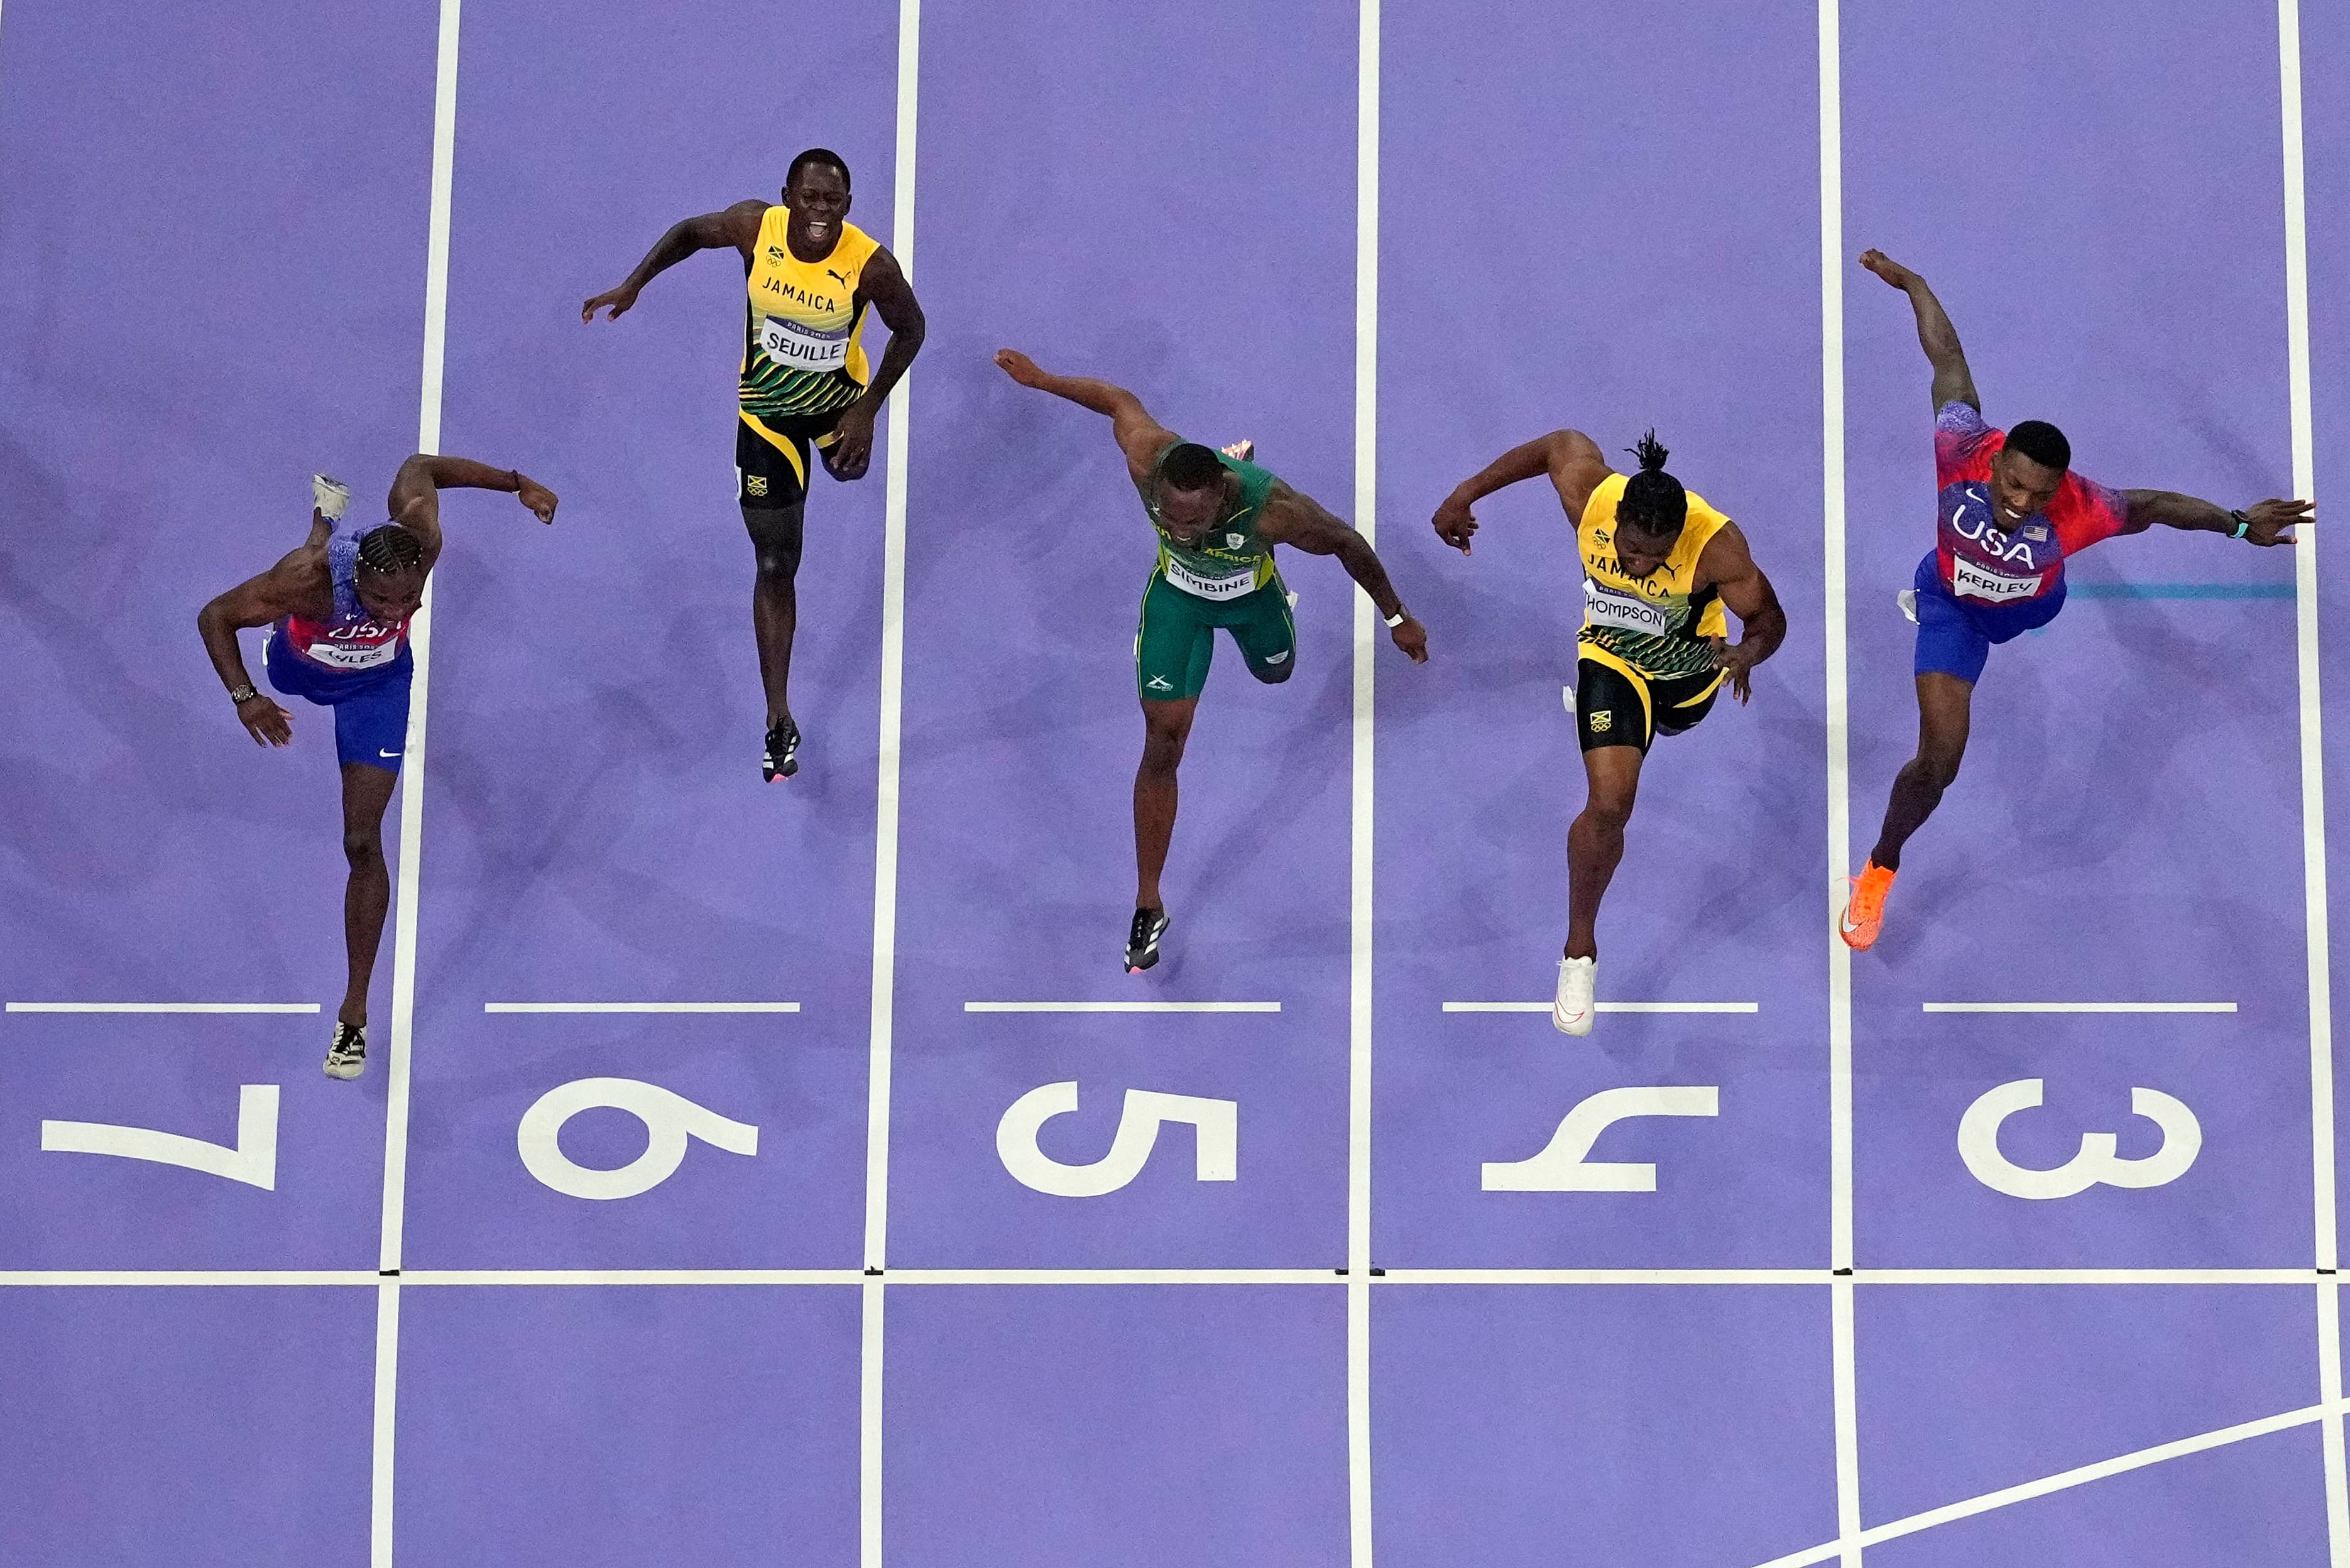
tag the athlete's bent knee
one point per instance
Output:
(1609, 809)
(363, 849)
(1940, 767)
(1162, 748)
(775, 543)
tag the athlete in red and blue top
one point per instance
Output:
(339, 610)
(2010, 512)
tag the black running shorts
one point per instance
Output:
(1616, 706)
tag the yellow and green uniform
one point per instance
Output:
(1224, 579)
(804, 357)
(1644, 668)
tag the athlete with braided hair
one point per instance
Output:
(1658, 566)
(2010, 511)
(338, 609)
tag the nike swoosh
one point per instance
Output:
(1844, 920)
(381, 753)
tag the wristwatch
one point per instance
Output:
(243, 694)
(1400, 616)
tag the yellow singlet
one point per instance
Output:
(1655, 624)
(803, 349)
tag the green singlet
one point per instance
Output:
(1227, 579)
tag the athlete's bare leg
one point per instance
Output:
(1944, 712)
(775, 600)
(366, 898)
(1594, 842)
(1166, 726)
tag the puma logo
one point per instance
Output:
(840, 278)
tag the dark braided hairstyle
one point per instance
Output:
(391, 549)
(1654, 502)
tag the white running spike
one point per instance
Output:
(330, 495)
(1571, 1007)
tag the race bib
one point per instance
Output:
(1969, 581)
(1224, 586)
(353, 656)
(1604, 605)
(796, 346)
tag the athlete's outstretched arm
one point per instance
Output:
(1301, 523)
(2265, 522)
(883, 283)
(1953, 382)
(1140, 436)
(1728, 565)
(737, 226)
(1571, 459)
(261, 601)
(415, 499)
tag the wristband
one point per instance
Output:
(1400, 616)
(241, 695)
(2243, 524)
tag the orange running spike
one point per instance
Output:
(1864, 913)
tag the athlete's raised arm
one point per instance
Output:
(883, 284)
(1728, 565)
(415, 499)
(1297, 520)
(736, 226)
(1953, 382)
(1571, 459)
(2263, 522)
(1140, 436)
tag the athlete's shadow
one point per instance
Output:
(1259, 821)
(180, 747)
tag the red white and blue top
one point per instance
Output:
(1981, 559)
(351, 638)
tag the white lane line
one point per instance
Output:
(2329, 1377)
(872, 1341)
(419, 639)
(1839, 779)
(641, 1007)
(633, 1277)
(2084, 1276)
(411, 810)
(1121, 1007)
(2312, 781)
(1358, 1002)
(1603, 1277)
(1872, 1278)
(10, 1278)
(2312, 777)
(2120, 1465)
(1608, 1006)
(162, 1007)
(387, 1406)
(2078, 1006)
(1115, 1277)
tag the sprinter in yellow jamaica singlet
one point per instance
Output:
(811, 279)
(1658, 567)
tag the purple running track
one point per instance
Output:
(217, 227)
